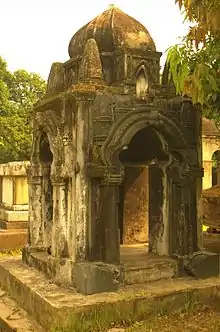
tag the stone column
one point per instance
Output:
(157, 243)
(109, 218)
(35, 211)
(207, 178)
(59, 231)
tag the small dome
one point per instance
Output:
(209, 127)
(112, 30)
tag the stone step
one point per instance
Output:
(140, 266)
(13, 224)
(12, 239)
(14, 318)
(153, 269)
(50, 304)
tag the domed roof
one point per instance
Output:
(112, 30)
(209, 127)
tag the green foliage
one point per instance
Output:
(195, 73)
(194, 65)
(204, 14)
(19, 91)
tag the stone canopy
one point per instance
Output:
(108, 132)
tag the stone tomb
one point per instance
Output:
(13, 205)
(116, 168)
(210, 144)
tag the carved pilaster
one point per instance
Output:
(59, 231)
(109, 220)
(35, 211)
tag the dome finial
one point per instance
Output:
(111, 6)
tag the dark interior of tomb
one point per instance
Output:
(215, 163)
(143, 153)
(143, 147)
(46, 156)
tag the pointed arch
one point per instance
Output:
(142, 82)
(124, 129)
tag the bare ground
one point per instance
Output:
(206, 319)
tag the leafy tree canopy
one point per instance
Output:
(18, 92)
(194, 65)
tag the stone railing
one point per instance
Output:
(13, 195)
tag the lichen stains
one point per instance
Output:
(112, 30)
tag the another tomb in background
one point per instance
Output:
(13, 205)
(210, 144)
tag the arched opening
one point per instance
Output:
(46, 156)
(141, 195)
(46, 159)
(216, 168)
(141, 84)
(211, 201)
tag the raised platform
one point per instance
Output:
(50, 304)
(136, 266)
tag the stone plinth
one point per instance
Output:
(13, 205)
(52, 305)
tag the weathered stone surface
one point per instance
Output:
(135, 36)
(13, 318)
(91, 67)
(58, 269)
(11, 239)
(80, 135)
(50, 304)
(210, 144)
(13, 205)
(204, 264)
(136, 205)
(152, 270)
(211, 207)
(14, 168)
(91, 278)
(13, 224)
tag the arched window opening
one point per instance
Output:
(46, 156)
(211, 196)
(141, 84)
(215, 168)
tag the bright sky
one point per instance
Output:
(35, 33)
